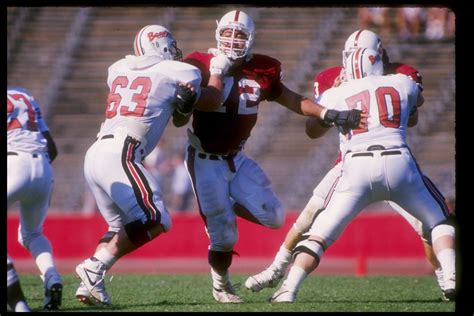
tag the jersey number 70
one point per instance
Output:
(388, 104)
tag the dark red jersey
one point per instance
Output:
(226, 129)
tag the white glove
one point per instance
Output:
(213, 51)
(219, 64)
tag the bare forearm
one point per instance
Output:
(299, 104)
(314, 129)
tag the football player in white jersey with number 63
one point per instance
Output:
(146, 90)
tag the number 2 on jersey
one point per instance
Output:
(15, 123)
(138, 100)
(388, 104)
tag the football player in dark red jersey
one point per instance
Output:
(225, 180)
(328, 78)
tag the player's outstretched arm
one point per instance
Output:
(302, 105)
(314, 129)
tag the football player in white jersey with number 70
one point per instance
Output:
(146, 90)
(377, 165)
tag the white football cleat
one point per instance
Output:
(266, 278)
(283, 295)
(226, 294)
(92, 274)
(83, 295)
(449, 291)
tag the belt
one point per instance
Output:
(375, 148)
(229, 157)
(12, 153)
(211, 156)
(105, 137)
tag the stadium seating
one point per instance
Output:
(293, 162)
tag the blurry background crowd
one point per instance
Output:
(61, 54)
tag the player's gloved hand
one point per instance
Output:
(213, 51)
(344, 120)
(185, 98)
(220, 63)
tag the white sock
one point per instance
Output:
(282, 259)
(295, 277)
(447, 260)
(219, 281)
(104, 256)
(45, 263)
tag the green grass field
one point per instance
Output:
(192, 293)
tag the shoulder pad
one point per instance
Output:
(264, 64)
(325, 79)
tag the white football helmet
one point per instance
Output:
(361, 39)
(363, 62)
(156, 40)
(232, 47)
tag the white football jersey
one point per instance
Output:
(24, 122)
(143, 93)
(388, 101)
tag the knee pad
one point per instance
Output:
(107, 237)
(220, 260)
(310, 246)
(427, 232)
(442, 230)
(308, 214)
(139, 232)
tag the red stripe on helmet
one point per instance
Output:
(236, 17)
(356, 39)
(357, 61)
(138, 47)
(137, 38)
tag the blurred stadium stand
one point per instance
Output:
(61, 54)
